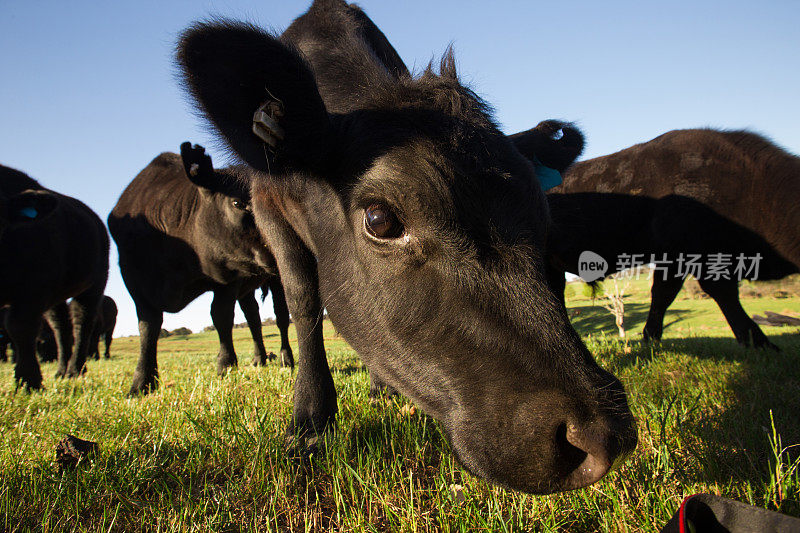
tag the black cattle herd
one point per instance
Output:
(392, 201)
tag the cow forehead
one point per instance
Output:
(422, 178)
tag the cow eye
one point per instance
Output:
(381, 222)
(238, 204)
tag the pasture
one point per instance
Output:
(206, 454)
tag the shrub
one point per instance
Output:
(569, 291)
(592, 290)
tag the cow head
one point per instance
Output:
(552, 143)
(227, 189)
(224, 215)
(25, 207)
(429, 230)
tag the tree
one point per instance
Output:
(615, 294)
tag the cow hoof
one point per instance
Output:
(263, 358)
(304, 448)
(287, 359)
(303, 445)
(306, 436)
(143, 385)
(61, 373)
(650, 338)
(29, 382)
(761, 344)
(224, 370)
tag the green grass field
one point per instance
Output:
(206, 454)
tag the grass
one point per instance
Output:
(206, 454)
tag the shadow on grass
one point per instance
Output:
(727, 438)
(348, 369)
(735, 439)
(594, 319)
(396, 442)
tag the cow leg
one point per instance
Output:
(22, 326)
(282, 321)
(222, 317)
(726, 294)
(315, 407)
(145, 378)
(46, 347)
(57, 317)
(108, 338)
(3, 345)
(83, 311)
(249, 307)
(94, 342)
(663, 293)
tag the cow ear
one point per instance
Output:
(31, 205)
(259, 94)
(197, 165)
(552, 144)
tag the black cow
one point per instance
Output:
(52, 247)
(397, 204)
(46, 348)
(182, 229)
(5, 341)
(282, 319)
(46, 345)
(104, 327)
(685, 194)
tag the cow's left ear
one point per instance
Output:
(197, 164)
(31, 205)
(552, 143)
(260, 95)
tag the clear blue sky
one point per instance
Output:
(88, 94)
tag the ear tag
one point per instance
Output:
(548, 177)
(29, 212)
(265, 122)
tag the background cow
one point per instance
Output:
(282, 319)
(685, 193)
(104, 327)
(52, 247)
(182, 229)
(46, 345)
(46, 348)
(395, 201)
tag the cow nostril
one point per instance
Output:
(570, 456)
(595, 461)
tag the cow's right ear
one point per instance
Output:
(30, 205)
(259, 94)
(198, 167)
(552, 143)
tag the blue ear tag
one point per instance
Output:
(29, 212)
(548, 177)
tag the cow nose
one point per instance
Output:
(605, 443)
